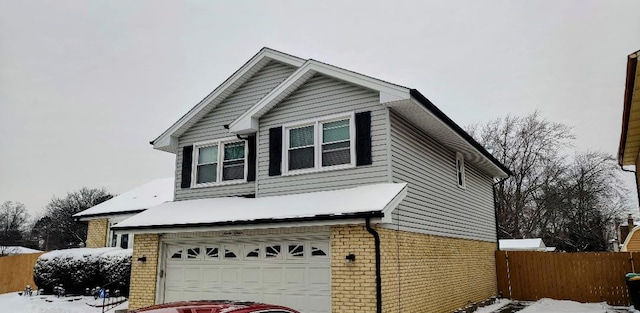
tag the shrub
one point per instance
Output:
(77, 269)
(115, 270)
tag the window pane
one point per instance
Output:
(301, 158)
(233, 151)
(124, 241)
(335, 131)
(233, 170)
(300, 137)
(207, 173)
(336, 153)
(207, 154)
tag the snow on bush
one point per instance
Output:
(77, 269)
(115, 270)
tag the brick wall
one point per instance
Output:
(434, 274)
(353, 285)
(97, 233)
(143, 276)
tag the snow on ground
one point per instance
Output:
(494, 307)
(566, 306)
(14, 303)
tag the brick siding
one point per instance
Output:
(97, 233)
(143, 276)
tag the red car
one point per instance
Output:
(215, 307)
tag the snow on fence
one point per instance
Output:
(17, 272)
(583, 277)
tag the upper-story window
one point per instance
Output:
(460, 170)
(326, 143)
(219, 162)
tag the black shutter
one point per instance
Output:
(275, 151)
(187, 159)
(363, 138)
(251, 166)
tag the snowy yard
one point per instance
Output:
(13, 302)
(557, 306)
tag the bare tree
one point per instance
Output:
(60, 228)
(13, 221)
(529, 146)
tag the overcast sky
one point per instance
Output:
(85, 85)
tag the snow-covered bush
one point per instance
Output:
(77, 269)
(115, 270)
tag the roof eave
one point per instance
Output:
(632, 61)
(460, 132)
(316, 218)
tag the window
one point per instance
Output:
(124, 241)
(460, 170)
(219, 162)
(320, 144)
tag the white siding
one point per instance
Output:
(323, 96)
(434, 203)
(211, 126)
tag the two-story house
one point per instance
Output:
(307, 185)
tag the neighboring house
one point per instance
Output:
(307, 185)
(630, 135)
(13, 250)
(102, 217)
(532, 244)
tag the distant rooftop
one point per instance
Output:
(138, 199)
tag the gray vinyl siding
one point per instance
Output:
(323, 96)
(211, 127)
(434, 203)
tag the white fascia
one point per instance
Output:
(167, 140)
(393, 204)
(248, 121)
(188, 229)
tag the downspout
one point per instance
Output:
(636, 176)
(376, 239)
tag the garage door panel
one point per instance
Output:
(319, 276)
(294, 273)
(251, 275)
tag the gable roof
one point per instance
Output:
(630, 134)
(409, 103)
(135, 200)
(167, 141)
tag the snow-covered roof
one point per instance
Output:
(16, 250)
(524, 244)
(138, 199)
(376, 200)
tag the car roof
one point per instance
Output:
(212, 306)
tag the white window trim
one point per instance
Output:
(220, 161)
(460, 160)
(317, 144)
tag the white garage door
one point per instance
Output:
(289, 272)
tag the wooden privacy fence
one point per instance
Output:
(583, 277)
(16, 272)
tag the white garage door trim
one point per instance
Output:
(292, 270)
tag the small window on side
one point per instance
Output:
(124, 241)
(460, 170)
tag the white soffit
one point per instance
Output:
(416, 113)
(314, 206)
(167, 140)
(248, 121)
